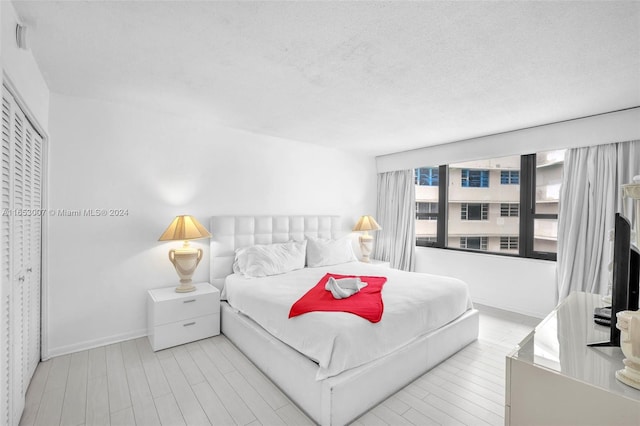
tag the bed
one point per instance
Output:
(330, 381)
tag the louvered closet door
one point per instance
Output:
(21, 256)
(5, 265)
(31, 284)
(35, 253)
(18, 255)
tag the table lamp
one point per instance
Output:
(185, 259)
(366, 224)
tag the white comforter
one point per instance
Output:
(414, 304)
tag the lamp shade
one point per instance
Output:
(184, 228)
(367, 223)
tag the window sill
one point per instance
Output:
(489, 253)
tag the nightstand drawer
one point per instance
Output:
(188, 330)
(168, 311)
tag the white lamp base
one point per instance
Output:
(185, 260)
(185, 288)
(630, 376)
(628, 322)
(366, 244)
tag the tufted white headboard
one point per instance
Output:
(229, 233)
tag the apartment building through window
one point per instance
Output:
(474, 199)
(484, 197)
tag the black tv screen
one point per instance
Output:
(626, 267)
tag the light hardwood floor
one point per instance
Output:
(211, 382)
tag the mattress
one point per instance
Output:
(414, 305)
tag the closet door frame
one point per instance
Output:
(44, 281)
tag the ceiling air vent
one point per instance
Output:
(21, 36)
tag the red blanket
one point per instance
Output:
(367, 303)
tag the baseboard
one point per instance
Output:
(510, 308)
(90, 344)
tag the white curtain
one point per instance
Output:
(395, 242)
(589, 200)
(628, 167)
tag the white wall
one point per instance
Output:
(21, 70)
(526, 286)
(156, 166)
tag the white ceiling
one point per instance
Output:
(371, 77)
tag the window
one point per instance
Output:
(474, 211)
(479, 211)
(427, 176)
(426, 211)
(429, 211)
(423, 241)
(474, 178)
(510, 177)
(541, 223)
(509, 209)
(451, 215)
(473, 243)
(509, 243)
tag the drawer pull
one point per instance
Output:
(189, 301)
(188, 324)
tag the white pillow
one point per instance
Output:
(321, 252)
(240, 261)
(271, 259)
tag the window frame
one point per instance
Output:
(483, 240)
(509, 209)
(484, 211)
(510, 177)
(443, 211)
(508, 241)
(431, 177)
(526, 212)
(483, 178)
(427, 215)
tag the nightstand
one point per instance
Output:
(380, 263)
(177, 318)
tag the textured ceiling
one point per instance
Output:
(371, 77)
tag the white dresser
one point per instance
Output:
(178, 318)
(554, 378)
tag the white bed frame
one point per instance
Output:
(342, 398)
